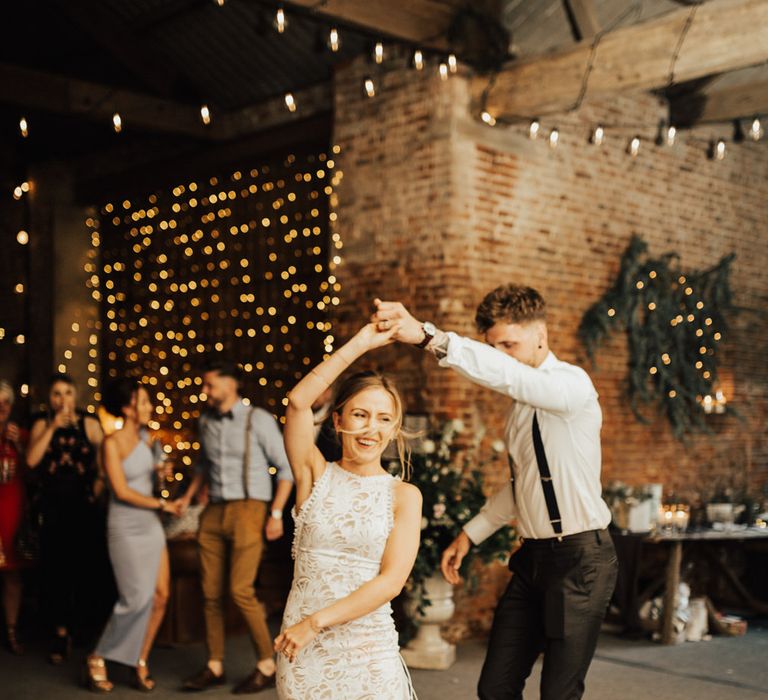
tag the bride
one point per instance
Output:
(357, 535)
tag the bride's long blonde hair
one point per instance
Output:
(368, 379)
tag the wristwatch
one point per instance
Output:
(276, 513)
(429, 332)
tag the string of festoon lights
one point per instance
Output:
(633, 139)
(419, 59)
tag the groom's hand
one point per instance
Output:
(388, 314)
(453, 556)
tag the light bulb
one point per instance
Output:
(554, 138)
(370, 88)
(290, 103)
(24, 127)
(418, 60)
(117, 123)
(452, 64)
(487, 117)
(443, 70)
(280, 21)
(756, 130)
(671, 135)
(334, 42)
(378, 52)
(598, 135)
(205, 114)
(634, 146)
(533, 129)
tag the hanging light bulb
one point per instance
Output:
(554, 137)
(378, 52)
(290, 103)
(756, 130)
(418, 59)
(370, 88)
(280, 21)
(533, 129)
(718, 151)
(205, 115)
(453, 66)
(443, 70)
(488, 118)
(634, 146)
(117, 122)
(334, 42)
(220, 3)
(24, 127)
(671, 135)
(598, 135)
(22, 237)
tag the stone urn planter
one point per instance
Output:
(428, 649)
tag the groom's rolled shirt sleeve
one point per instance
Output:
(497, 512)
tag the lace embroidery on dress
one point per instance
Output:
(341, 533)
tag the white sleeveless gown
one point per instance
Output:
(341, 532)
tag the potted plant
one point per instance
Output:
(452, 491)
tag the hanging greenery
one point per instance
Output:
(674, 321)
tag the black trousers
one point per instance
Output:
(554, 604)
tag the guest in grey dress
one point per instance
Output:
(136, 540)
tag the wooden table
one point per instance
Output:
(714, 549)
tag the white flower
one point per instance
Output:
(498, 446)
(457, 425)
(424, 523)
(438, 510)
(428, 446)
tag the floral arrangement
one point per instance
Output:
(452, 489)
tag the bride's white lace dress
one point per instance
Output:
(341, 532)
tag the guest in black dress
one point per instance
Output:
(63, 451)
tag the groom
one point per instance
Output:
(565, 571)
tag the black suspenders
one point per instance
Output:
(546, 479)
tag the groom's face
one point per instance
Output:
(523, 341)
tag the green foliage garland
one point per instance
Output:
(674, 322)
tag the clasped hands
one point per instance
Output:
(391, 322)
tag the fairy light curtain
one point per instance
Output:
(240, 264)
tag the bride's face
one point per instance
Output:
(366, 424)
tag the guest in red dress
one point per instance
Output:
(11, 506)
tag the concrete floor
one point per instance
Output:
(721, 669)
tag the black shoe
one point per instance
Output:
(203, 680)
(255, 683)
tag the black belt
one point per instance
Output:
(578, 538)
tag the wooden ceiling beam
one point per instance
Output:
(422, 22)
(583, 16)
(32, 89)
(715, 37)
(739, 95)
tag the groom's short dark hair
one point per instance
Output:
(510, 303)
(224, 367)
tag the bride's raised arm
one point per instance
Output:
(307, 463)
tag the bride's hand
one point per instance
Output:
(372, 337)
(294, 639)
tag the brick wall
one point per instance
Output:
(436, 208)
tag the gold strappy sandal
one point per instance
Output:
(145, 683)
(96, 675)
